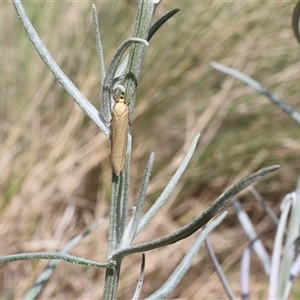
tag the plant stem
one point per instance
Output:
(111, 282)
(118, 190)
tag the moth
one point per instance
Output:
(119, 125)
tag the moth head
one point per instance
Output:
(121, 99)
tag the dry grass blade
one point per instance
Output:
(179, 95)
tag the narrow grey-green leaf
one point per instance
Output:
(274, 281)
(133, 224)
(126, 184)
(56, 256)
(292, 233)
(295, 21)
(48, 271)
(161, 22)
(60, 76)
(141, 280)
(108, 81)
(161, 200)
(203, 219)
(219, 271)
(134, 67)
(99, 45)
(168, 287)
(249, 229)
(263, 203)
(259, 88)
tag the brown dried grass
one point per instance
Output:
(55, 174)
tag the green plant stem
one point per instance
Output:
(136, 55)
(116, 218)
(112, 281)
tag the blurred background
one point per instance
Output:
(55, 172)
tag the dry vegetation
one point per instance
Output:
(55, 174)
